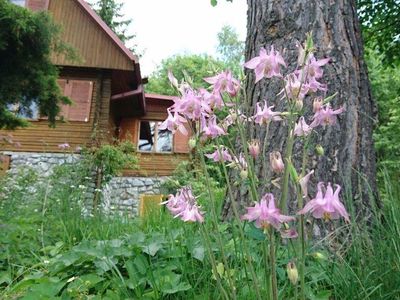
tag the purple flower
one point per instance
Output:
(224, 82)
(276, 162)
(64, 146)
(214, 100)
(254, 148)
(220, 155)
(266, 64)
(313, 66)
(210, 128)
(265, 115)
(301, 128)
(325, 116)
(294, 88)
(174, 122)
(239, 163)
(265, 214)
(184, 205)
(191, 105)
(326, 206)
(303, 181)
(290, 233)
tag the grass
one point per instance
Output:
(49, 250)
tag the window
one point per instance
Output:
(19, 2)
(153, 139)
(30, 113)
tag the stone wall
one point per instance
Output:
(122, 194)
(119, 195)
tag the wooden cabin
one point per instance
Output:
(108, 96)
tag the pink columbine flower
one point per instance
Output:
(313, 66)
(302, 128)
(325, 116)
(224, 82)
(318, 103)
(64, 146)
(266, 64)
(184, 205)
(294, 88)
(276, 162)
(254, 148)
(214, 100)
(191, 105)
(303, 181)
(265, 115)
(239, 163)
(265, 214)
(172, 79)
(220, 155)
(290, 233)
(326, 206)
(174, 122)
(210, 128)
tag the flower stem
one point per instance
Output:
(274, 284)
(213, 262)
(242, 237)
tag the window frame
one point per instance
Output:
(154, 151)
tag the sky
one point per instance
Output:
(167, 27)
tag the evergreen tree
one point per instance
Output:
(27, 76)
(110, 12)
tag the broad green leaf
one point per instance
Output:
(198, 253)
(214, 2)
(152, 248)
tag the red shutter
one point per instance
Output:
(37, 5)
(81, 95)
(65, 90)
(181, 141)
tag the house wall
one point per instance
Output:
(154, 164)
(39, 137)
(93, 45)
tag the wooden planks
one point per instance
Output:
(94, 46)
(156, 164)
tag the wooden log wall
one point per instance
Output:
(39, 137)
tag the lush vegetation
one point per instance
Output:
(49, 250)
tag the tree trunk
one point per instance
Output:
(349, 157)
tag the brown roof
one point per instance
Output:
(107, 30)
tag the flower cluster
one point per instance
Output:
(199, 108)
(184, 205)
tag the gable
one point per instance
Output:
(82, 29)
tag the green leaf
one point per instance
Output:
(214, 3)
(152, 248)
(198, 253)
(141, 264)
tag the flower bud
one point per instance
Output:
(192, 143)
(319, 150)
(319, 255)
(276, 162)
(299, 104)
(244, 174)
(292, 273)
(254, 148)
(317, 104)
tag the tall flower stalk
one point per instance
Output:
(212, 116)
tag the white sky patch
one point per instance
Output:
(167, 27)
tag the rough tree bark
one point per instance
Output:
(349, 153)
